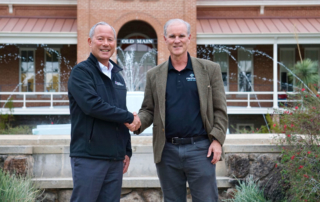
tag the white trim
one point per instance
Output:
(10, 8)
(45, 68)
(210, 3)
(38, 38)
(34, 67)
(40, 2)
(248, 39)
(275, 74)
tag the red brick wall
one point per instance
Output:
(119, 12)
(254, 12)
(45, 11)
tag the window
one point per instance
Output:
(314, 55)
(52, 70)
(27, 70)
(222, 59)
(287, 58)
(245, 70)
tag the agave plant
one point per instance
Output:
(307, 72)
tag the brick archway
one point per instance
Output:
(163, 53)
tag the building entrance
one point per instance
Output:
(136, 53)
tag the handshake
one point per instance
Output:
(135, 125)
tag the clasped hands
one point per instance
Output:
(135, 125)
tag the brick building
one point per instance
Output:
(254, 41)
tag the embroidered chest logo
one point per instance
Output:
(191, 78)
(118, 83)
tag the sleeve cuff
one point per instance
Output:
(129, 118)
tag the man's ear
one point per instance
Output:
(89, 41)
(165, 39)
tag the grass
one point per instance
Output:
(17, 189)
(19, 130)
(248, 191)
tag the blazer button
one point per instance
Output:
(163, 129)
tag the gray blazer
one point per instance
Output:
(212, 97)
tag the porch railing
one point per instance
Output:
(137, 97)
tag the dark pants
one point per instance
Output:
(96, 180)
(182, 163)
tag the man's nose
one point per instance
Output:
(176, 39)
(106, 42)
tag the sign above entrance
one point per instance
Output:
(136, 41)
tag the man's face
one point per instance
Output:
(177, 39)
(102, 44)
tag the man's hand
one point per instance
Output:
(126, 163)
(215, 148)
(135, 125)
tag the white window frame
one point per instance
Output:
(252, 71)
(317, 49)
(45, 68)
(34, 65)
(245, 124)
(227, 70)
(293, 62)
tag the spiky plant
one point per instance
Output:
(307, 71)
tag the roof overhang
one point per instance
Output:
(38, 38)
(254, 39)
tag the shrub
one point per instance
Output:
(248, 191)
(300, 147)
(16, 189)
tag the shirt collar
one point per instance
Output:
(103, 67)
(188, 66)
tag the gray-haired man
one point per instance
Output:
(100, 147)
(185, 100)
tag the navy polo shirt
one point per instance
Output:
(183, 118)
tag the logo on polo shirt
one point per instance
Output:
(191, 78)
(118, 83)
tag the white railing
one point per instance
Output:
(24, 99)
(134, 101)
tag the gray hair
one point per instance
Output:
(173, 21)
(91, 33)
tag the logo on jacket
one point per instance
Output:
(191, 78)
(118, 83)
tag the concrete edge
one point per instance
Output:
(128, 182)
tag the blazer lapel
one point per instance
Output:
(161, 85)
(203, 85)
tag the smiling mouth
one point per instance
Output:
(105, 51)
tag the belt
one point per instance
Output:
(187, 140)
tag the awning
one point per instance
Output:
(262, 30)
(38, 30)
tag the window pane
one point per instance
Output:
(245, 71)
(222, 59)
(245, 61)
(24, 61)
(52, 82)
(27, 82)
(312, 55)
(287, 59)
(244, 81)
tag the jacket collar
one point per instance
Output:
(94, 61)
